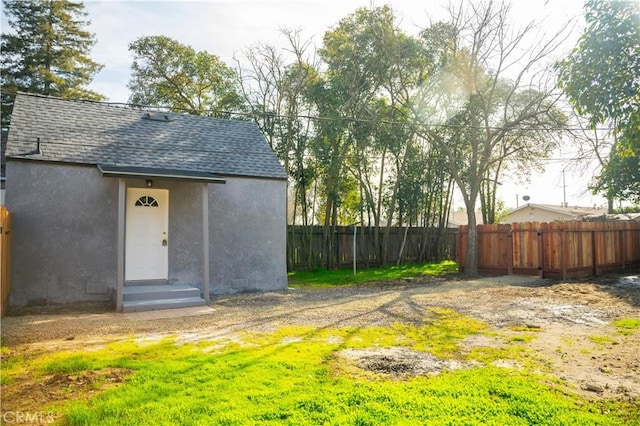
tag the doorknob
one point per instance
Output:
(164, 239)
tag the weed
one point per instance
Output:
(601, 341)
(627, 325)
(533, 328)
(568, 341)
(522, 338)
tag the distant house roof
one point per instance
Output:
(84, 132)
(569, 212)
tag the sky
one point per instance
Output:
(227, 27)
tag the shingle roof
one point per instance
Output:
(97, 133)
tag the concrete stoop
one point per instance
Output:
(138, 298)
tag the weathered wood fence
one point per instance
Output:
(305, 246)
(555, 250)
(5, 252)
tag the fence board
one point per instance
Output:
(5, 253)
(556, 250)
(304, 246)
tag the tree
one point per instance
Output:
(168, 73)
(47, 52)
(600, 76)
(372, 67)
(491, 99)
(620, 178)
(274, 85)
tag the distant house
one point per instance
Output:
(548, 213)
(459, 217)
(148, 209)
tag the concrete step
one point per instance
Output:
(155, 292)
(151, 305)
(145, 282)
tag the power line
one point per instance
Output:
(264, 114)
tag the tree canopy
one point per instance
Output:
(481, 114)
(168, 73)
(46, 52)
(601, 75)
(376, 125)
(619, 178)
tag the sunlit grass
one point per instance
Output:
(602, 341)
(327, 278)
(296, 376)
(627, 325)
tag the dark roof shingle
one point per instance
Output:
(96, 133)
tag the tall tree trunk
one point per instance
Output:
(396, 187)
(471, 263)
(326, 234)
(378, 214)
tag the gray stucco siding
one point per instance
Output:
(247, 243)
(65, 223)
(63, 236)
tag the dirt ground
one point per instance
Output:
(576, 337)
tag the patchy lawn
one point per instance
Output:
(339, 277)
(428, 351)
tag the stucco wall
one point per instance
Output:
(63, 236)
(247, 222)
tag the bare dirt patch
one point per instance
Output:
(573, 323)
(401, 362)
(33, 395)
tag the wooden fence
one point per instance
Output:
(5, 252)
(304, 246)
(555, 250)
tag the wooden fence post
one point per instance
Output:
(5, 253)
(460, 248)
(621, 235)
(510, 250)
(540, 253)
(594, 252)
(563, 253)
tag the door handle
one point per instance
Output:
(165, 242)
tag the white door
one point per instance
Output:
(146, 234)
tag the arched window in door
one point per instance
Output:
(146, 201)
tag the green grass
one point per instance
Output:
(627, 325)
(296, 376)
(602, 341)
(328, 278)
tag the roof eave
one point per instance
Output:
(108, 170)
